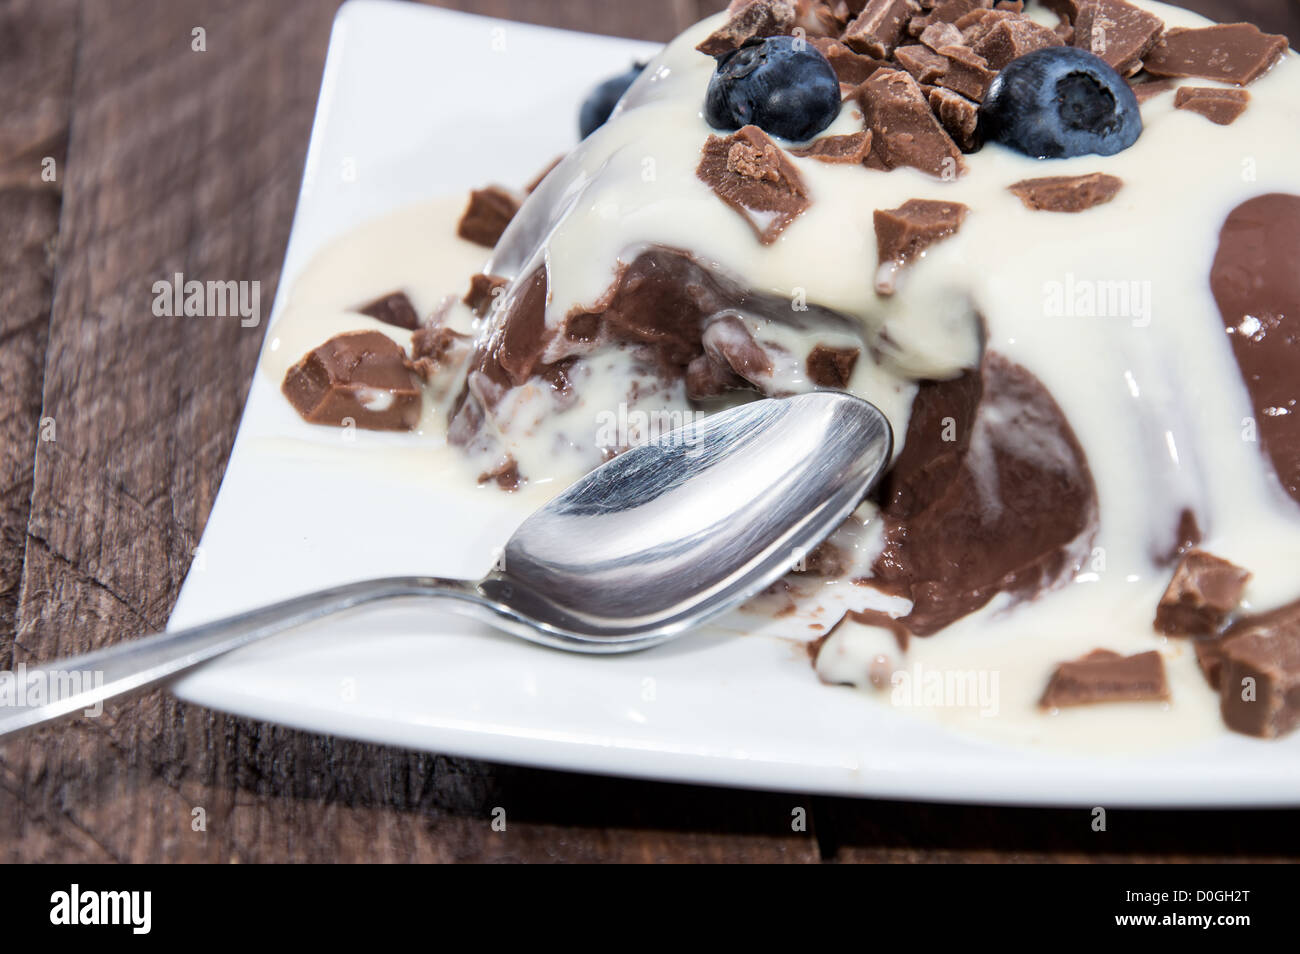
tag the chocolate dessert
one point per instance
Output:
(986, 219)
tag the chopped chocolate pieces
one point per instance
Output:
(880, 26)
(1259, 673)
(436, 348)
(505, 475)
(849, 148)
(1067, 193)
(1220, 106)
(904, 233)
(1203, 591)
(728, 342)
(357, 378)
(750, 173)
(968, 73)
(1011, 38)
(757, 18)
(393, 309)
(483, 292)
(1105, 676)
(1209, 656)
(487, 215)
(1151, 88)
(958, 115)
(1118, 32)
(831, 367)
(938, 35)
(923, 63)
(945, 11)
(1233, 53)
(705, 378)
(850, 68)
(905, 132)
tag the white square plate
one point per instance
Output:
(421, 103)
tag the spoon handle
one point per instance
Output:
(37, 695)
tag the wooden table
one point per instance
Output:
(116, 429)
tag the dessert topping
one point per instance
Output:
(393, 309)
(904, 233)
(483, 292)
(1232, 53)
(1203, 591)
(1105, 676)
(750, 173)
(905, 131)
(358, 378)
(849, 148)
(1217, 104)
(1117, 31)
(781, 84)
(487, 215)
(1067, 193)
(1059, 102)
(829, 367)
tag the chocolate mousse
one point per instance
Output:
(948, 548)
(1257, 286)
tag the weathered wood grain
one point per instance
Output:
(178, 160)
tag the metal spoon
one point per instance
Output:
(658, 540)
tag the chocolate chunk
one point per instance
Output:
(977, 24)
(706, 378)
(1209, 657)
(393, 309)
(948, 548)
(1257, 287)
(968, 73)
(757, 18)
(1233, 53)
(946, 11)
(1149, 89)
(850, 68)
(750, 173)
(958, 115)
(487, 215)
(1203, 591)
(1067, 193)
(1220, 106)
(1011, 38)
(727, 340)
(905, 132)
(1105, 676)
(483, 292)
(1065, 9)
(849, 148)
(904, 233)
(359, 377)
(1118, 32)
(880, 26)
(436, 348)
(1259, 673)
(831, 367)
(923, 63)
(937, 35)
(505, 475)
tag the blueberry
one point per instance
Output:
(779, 84)
(600, 102)
(1059, 102)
